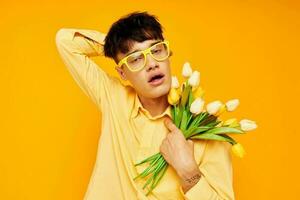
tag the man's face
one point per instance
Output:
(141, 80)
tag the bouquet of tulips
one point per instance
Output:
(195, 122)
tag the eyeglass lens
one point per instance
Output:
(158, 51)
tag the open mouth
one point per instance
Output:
(156, 78)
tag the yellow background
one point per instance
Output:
(243, 49)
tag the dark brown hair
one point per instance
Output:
(136, 26)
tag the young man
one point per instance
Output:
(136, 118)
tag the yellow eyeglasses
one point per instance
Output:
(137, 60)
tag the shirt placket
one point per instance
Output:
(145, 147)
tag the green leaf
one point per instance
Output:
(185, 95)
(208, 136)
(180, 112)
(208, 119)
(183, 120)
(176, 121)
(191, 99)
(230, 138)
(221, 130)
(160, 175)
(189, 120)
(204, 116)
(156, 169)
(197, 130)
(213, 124)
(173, 113)
(150, 168)
(197, 119)
(154, 156)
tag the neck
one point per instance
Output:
(155, 106)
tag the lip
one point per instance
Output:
(155, 74)
(157, 82)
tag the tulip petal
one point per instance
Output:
(238, 150)
(231, 105)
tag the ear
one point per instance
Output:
(121, 73)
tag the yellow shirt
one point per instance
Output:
(129, 133)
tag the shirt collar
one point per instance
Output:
(137, 106)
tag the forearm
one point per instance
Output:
(189, 178)
(81, 41)
(75, 47)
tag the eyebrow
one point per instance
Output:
(153, 43)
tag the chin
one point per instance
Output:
(155, 92)
(159, 91)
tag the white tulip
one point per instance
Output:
(247, 125)
(197, 106)
(175, 83)
(187, 70)
(231, 105)
(194, 80)
(213, 107)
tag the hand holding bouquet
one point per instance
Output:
(195, 122)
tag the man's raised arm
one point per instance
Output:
(75, 47)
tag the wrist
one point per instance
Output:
(187, 184)
(189, 179)
(185, 172)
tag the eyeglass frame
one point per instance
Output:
(145, 52)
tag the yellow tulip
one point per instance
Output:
(181, 87)
(220, 124)
(178, 91)
(231, 123)
(221, 110)
(238, 150)
(198, 92)
(173, 96)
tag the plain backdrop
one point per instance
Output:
(243, 49)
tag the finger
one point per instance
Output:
(170, 125)
(191, 143)
(163, 145)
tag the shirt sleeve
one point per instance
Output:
(76, 47)
(216, 179)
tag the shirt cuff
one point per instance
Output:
(201, 190)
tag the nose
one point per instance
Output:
(150, 63)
